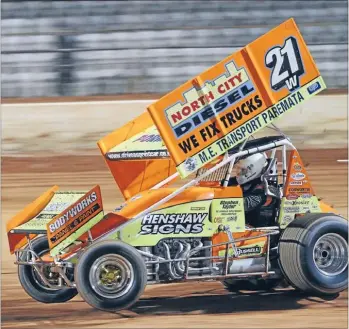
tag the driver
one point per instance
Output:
(259, 207)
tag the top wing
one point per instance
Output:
(246, 91)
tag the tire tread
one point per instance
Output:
(291, 246)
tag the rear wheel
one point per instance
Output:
(111, 275)
(314, 254)
(34, 285)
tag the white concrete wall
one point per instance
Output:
(74, 128)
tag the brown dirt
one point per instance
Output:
(190, 305)
(339, 91)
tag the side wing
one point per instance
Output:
(136, 156)
(32, 220)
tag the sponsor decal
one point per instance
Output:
(306, 196)
(74, 218)
(194, 208)
(298, 202)
(46, 216)
(244, 251)
(144, 145)
(57, 206)
(212, 110)
(218, 220)
(230, 209)
(298, 176)
(36, 224)
(71, 213)
(173, 223)
(292, 209)
(227, 204)
(216, 96)
(226, 122)
(291, 196)
(296, 182)
(297, 167)
(314, 87)
(236, 135)
(148, 138)
(288, 218)
(190, 164)
(137, 155)
(95, 209)
(232, 218)
(249, 251)
(299, 190)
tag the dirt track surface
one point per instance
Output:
(164, 306)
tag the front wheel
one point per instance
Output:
(314, 254)
(34, 285)
(111, 275)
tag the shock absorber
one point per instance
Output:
(151, 268)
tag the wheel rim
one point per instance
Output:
(111, 276)
(330, 254)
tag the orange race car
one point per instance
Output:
(246, 214)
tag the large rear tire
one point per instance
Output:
(34, 286)
(313, 254)
(111, 275)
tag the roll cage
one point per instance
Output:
(248, 147)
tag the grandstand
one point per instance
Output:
(78, 48)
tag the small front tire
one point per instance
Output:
(111, 275)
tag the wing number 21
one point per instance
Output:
(286, 64)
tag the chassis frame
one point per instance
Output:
(59, 265)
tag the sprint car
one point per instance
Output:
(173, 230)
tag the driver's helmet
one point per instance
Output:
(250, 168)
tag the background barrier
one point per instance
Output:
(63, 48)
(74, 128)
